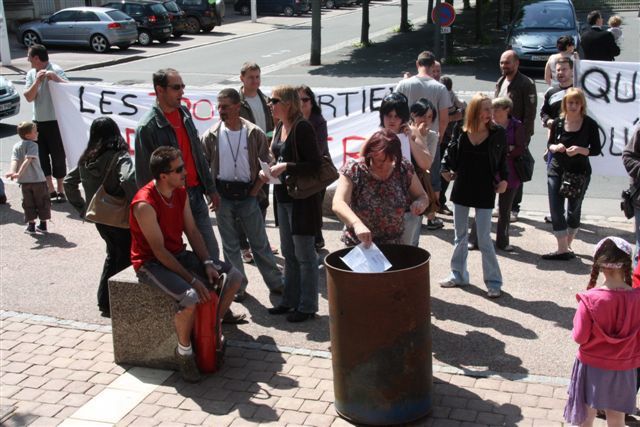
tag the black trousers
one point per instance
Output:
(118, 258)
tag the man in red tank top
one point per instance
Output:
(159, 215)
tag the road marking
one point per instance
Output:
(330, 49)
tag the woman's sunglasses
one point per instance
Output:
(274, 101)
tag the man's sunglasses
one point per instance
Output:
(176, 86)
(179, 169)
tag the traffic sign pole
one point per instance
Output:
(443, 14)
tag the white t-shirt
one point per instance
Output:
(234, 155)
(405, 146)
(258, 111)
(504, 89)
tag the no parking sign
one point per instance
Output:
(443, 14)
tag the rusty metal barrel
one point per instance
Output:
(380, 329)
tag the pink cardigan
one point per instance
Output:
(607, 327)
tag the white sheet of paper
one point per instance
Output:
(267, 171)
(370, 260)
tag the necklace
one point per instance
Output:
(237, 153)
(168, 203)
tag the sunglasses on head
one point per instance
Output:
(274, 101)
(395, 96)
(179, 169)
(176, 86)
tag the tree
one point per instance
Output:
(316, 33)
(364, 32)
(479, 20)
(404, 16)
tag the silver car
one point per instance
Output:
(96, 27)
(535, 31)
(9, 99)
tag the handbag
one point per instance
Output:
(572, 186)
(233, 190)
(626, 204)
(107, 209)
(425, 179)
(303, 186)
(523, 165)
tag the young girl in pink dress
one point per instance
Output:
(607, 328)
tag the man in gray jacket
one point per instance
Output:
(168, 123)
(234, 148)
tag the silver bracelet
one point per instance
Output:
(208, 261)
(193, 281)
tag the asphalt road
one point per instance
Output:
(525, 332)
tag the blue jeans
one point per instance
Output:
(569, 224)
(412, 229)
(200, 212)
(249, 216)
(490, 268)
(300, 265)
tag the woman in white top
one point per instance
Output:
(566, 48)
(394, 116)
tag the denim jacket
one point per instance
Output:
(154, 130)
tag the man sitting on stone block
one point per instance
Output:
(159, 216)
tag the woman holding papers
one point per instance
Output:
(374, 192)
(296, 151)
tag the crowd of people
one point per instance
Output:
(427, 140)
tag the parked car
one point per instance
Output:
(202, 15)
(96, 27)
(9, 99)
(335, 4)
(266, 7)
(177, 17)
(535, 30)
(150, 16)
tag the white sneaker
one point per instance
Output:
(494, 293)
(513, 217)
(447, 283)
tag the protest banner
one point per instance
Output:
(612, 90)
(351, 113)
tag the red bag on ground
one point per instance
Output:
(207, 335)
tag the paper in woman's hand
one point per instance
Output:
(366, 260)
(267, 171)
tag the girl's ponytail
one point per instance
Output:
(593, 279)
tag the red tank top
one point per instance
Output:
(170, 215)
(175, 118)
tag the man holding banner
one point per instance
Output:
(169, 123)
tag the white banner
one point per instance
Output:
(613, 100)
(351, 113)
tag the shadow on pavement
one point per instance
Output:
(443, 310)
(454, 350)
(249, 382)
(545, 310)
(51, 240)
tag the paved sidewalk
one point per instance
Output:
(59, 372)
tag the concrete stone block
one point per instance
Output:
(142, 323)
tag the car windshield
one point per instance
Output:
(117, 15)
(159, 9)
(544, 16)
(171, 6)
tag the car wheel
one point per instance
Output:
(288, 11)
(123, 46)
(29, 38)
(208, 28)
(245, 10)
(193, 25)
(330, 4)
(144, 38)
(99, 43)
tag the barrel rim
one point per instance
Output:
(332, 267)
